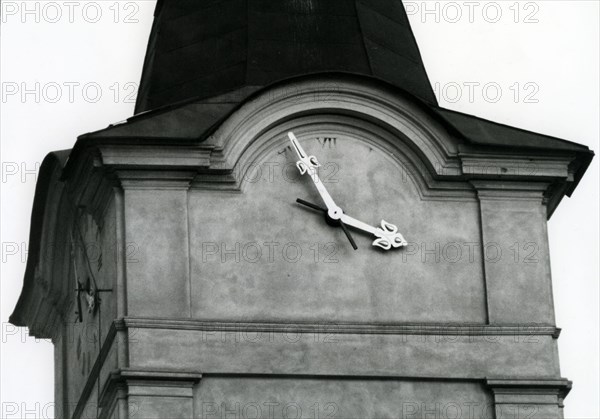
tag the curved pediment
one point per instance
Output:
(269, 154)
(399, 114)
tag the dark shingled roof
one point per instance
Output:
(200, 49)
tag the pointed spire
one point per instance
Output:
(202, 49)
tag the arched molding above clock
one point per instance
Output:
(411, 166)
(363, 100)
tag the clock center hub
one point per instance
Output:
(335, 213)
(333, 216)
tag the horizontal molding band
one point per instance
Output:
(183, 375)
(341, 328)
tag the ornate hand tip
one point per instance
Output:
(387, 243)
(389, 237)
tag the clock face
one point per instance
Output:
(261, 245)
(386, 236)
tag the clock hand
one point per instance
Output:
(340, 222)
(311, 205)
(308, 164)
(347, 233)
(387, 235)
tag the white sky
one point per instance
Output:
(543, 55)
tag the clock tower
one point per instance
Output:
(291, 227)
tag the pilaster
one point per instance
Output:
(515, 252)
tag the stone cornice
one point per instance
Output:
(532, 391)
(117, 385)
(444, 162)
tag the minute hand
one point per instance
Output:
(387, 235)
(308, 164)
